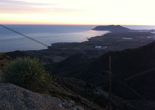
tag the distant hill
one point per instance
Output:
(113, 28)
(16, 54)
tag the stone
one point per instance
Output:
(60, 105)
(79, 108)
(73, 108)
(72, 102)
(68, 105)
(63, 103)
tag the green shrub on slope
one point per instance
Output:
(28, 73)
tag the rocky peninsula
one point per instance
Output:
(112, 28)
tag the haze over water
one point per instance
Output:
(48, 34)
(10, 41)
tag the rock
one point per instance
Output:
(63, 104)
(17, 98)
(60, 105)
(70, 105)
(79, 108)
(73, 108)
(72, 102)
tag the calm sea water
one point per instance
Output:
(48, 34)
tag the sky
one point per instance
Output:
(88, 12)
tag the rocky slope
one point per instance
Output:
(17, 98)
(92, 93)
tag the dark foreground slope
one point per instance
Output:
(124, 64)
(135, 67)
(143, 83)
(96, 96)
(84, 94)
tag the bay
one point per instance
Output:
(48, 34)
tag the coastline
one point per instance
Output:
(45, 33)
(118, 38)
(49, 34)
(93, 48)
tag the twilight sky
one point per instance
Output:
(128, 12)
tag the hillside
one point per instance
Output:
(142, 82)
(73, 64)
(84, 94)
(90, 92)
(4, 59)
(124, 64)
(134, 66)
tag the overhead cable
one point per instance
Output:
(23, 35)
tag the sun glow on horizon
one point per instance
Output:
(98, 12)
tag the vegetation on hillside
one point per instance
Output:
(4, 60)
(31, 74)
(23, 71)
(28, 73)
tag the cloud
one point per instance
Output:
(23, 7)
(19, 7)
(23, 3)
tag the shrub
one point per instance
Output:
(27, 72)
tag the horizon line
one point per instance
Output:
(78, 24)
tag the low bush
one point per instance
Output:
(27, 72)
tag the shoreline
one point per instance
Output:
(39, 47)
(93, 48)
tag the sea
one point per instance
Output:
(49, 34)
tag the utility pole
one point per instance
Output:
(109, 108)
